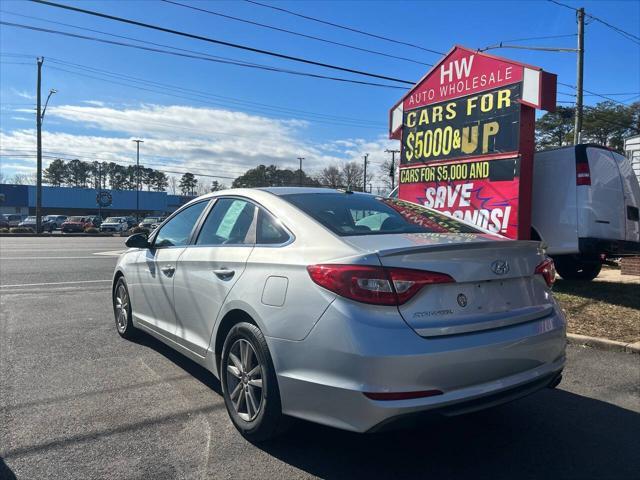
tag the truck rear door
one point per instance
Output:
(631, 192)
(599, 204)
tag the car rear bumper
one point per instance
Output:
(596, 246)
(323, 377)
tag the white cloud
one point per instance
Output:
(96, 103)
(203, 140)
(23, 94)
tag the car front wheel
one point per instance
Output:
(122, 310)
(249, 384)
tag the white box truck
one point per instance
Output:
(585, 205)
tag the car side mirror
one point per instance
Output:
(139, 240)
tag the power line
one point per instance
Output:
(593, 93)
(540, 38)
(206, 58)
(344, 27)
(304, 35)
(629, 36)
(317, 120)
(221, 42)
(207, 94)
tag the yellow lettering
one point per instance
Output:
(437, 113)
(504, 98)
(411, 119)
(469, 139)
(451, 111)
(471, 104)
(486, 102)
(424, 117)
(408, 148)
(490, 129)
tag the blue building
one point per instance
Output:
(21, 199)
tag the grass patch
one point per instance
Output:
(601, 308)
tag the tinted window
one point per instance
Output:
(269, 230)
(229, 223)
(176, 232)
(357, 214)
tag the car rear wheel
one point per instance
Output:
(574, 267)
(249, 384)
(122, 310)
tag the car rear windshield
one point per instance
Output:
(75, 219)
(113, 220)
(357, 214)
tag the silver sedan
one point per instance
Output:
(341, 308)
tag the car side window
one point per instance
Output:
(269, 230)
(230, 222)
(176, 232)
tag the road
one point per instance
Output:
(77, 401)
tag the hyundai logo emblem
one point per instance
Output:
(500, 267)
(462, 300)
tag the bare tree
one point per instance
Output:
(386, 174)
(331, 176)
(24, 179)
(352, 173)
(173, 184)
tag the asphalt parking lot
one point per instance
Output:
(76, 401)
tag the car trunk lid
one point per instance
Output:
(494, 282)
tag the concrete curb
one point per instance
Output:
(603, 343)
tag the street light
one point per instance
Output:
(51, 92)
(138, 142)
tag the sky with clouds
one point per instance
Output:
(200, 115)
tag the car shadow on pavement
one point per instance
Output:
(192, 368)
(551, 434)
(5, 471)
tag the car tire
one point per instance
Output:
(574, 267)
(122, 310)
(252, 399)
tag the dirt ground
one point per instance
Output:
(608, 307)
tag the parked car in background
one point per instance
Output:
(302, 309)
(45, 225)
(157, 224)
(13, 219)
(57, 220)
(95, 221)
(114, 224)
(148, 222)
(131, 222)
(75, 224)
(3, 222)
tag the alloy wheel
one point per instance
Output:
(122, 308)
(244, 380)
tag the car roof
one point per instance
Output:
(292, 190)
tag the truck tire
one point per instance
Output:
(576, 267)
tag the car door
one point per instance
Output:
(208, 270)
(155, 268)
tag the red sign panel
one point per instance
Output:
(462, 73)
(467, 139)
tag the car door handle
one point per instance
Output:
(224, 273)
(168, 270)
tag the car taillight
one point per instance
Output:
(548, 271)
(583, 174)
(375, 285)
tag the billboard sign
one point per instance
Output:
(467, 139)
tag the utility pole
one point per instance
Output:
(392, 172)
(364, 176)
(577, 130)
(39, 61)
(138, 142)
(300, 159)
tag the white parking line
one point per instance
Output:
(111, 253)
(47, 258)
(52, 283)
